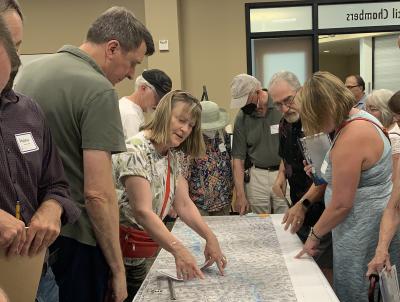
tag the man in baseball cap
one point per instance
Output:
(151, 86)
(256, 141)
(242, 85)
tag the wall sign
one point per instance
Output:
(358, 15)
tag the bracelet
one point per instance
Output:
(312, 233)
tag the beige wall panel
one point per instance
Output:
(163, 22)
(213, 37)
(49, 24)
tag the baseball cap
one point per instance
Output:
(159, 79)
(241, 87)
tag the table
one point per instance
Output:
(261, 265)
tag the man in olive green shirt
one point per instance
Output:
(256, 138)
(75, 89)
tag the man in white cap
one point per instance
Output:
(255, 139)
(150, 87)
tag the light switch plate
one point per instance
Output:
(163, 45)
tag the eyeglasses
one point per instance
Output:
(351, 86)
(371, 108)
(288, 102)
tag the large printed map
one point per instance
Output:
(256, 269)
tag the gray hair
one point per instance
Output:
(118, 23)
(288, 77)
(380, 99)
(140, 80)
(7, 5)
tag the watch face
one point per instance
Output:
(306, 203)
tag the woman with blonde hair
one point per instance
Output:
(391, 216)
(357, 170)
(377, 105)
(148, 181)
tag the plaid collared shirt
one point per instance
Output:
(30, 167)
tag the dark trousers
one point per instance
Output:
(81, 271)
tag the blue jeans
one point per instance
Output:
(48, 289)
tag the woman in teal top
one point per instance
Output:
(358, 172)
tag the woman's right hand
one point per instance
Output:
(186, 265)
(308, 168)
(381, 260)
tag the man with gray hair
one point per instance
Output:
(150, 87)
(75, 88)
(255, 137)
(307, 208)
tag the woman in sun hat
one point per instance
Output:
(210, 177)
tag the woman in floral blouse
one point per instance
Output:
(210, 177)
(141, 180)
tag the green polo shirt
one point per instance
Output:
(258, 137)
(81, 107)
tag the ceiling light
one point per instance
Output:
(327, 51)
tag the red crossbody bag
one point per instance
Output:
(137, 243)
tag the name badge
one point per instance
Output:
(26, 142)
(275, 129)
(324, 166)
(222, 147)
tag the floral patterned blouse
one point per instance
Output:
(210, 178)
(143, 160)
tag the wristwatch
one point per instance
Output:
(306, 204)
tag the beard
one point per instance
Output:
(291, 117)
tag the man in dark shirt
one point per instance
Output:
(305, 213)
(31, 173)
(34, 190)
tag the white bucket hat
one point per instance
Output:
(213, 117)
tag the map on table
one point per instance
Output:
(256, 269)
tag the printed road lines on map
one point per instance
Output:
(256, 269)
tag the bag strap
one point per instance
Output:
(167, 188)
(345, 123)
(373, 283)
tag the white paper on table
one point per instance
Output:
(171, 273)
(389, 285)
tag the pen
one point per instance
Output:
(18, 210)
(171, 289)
